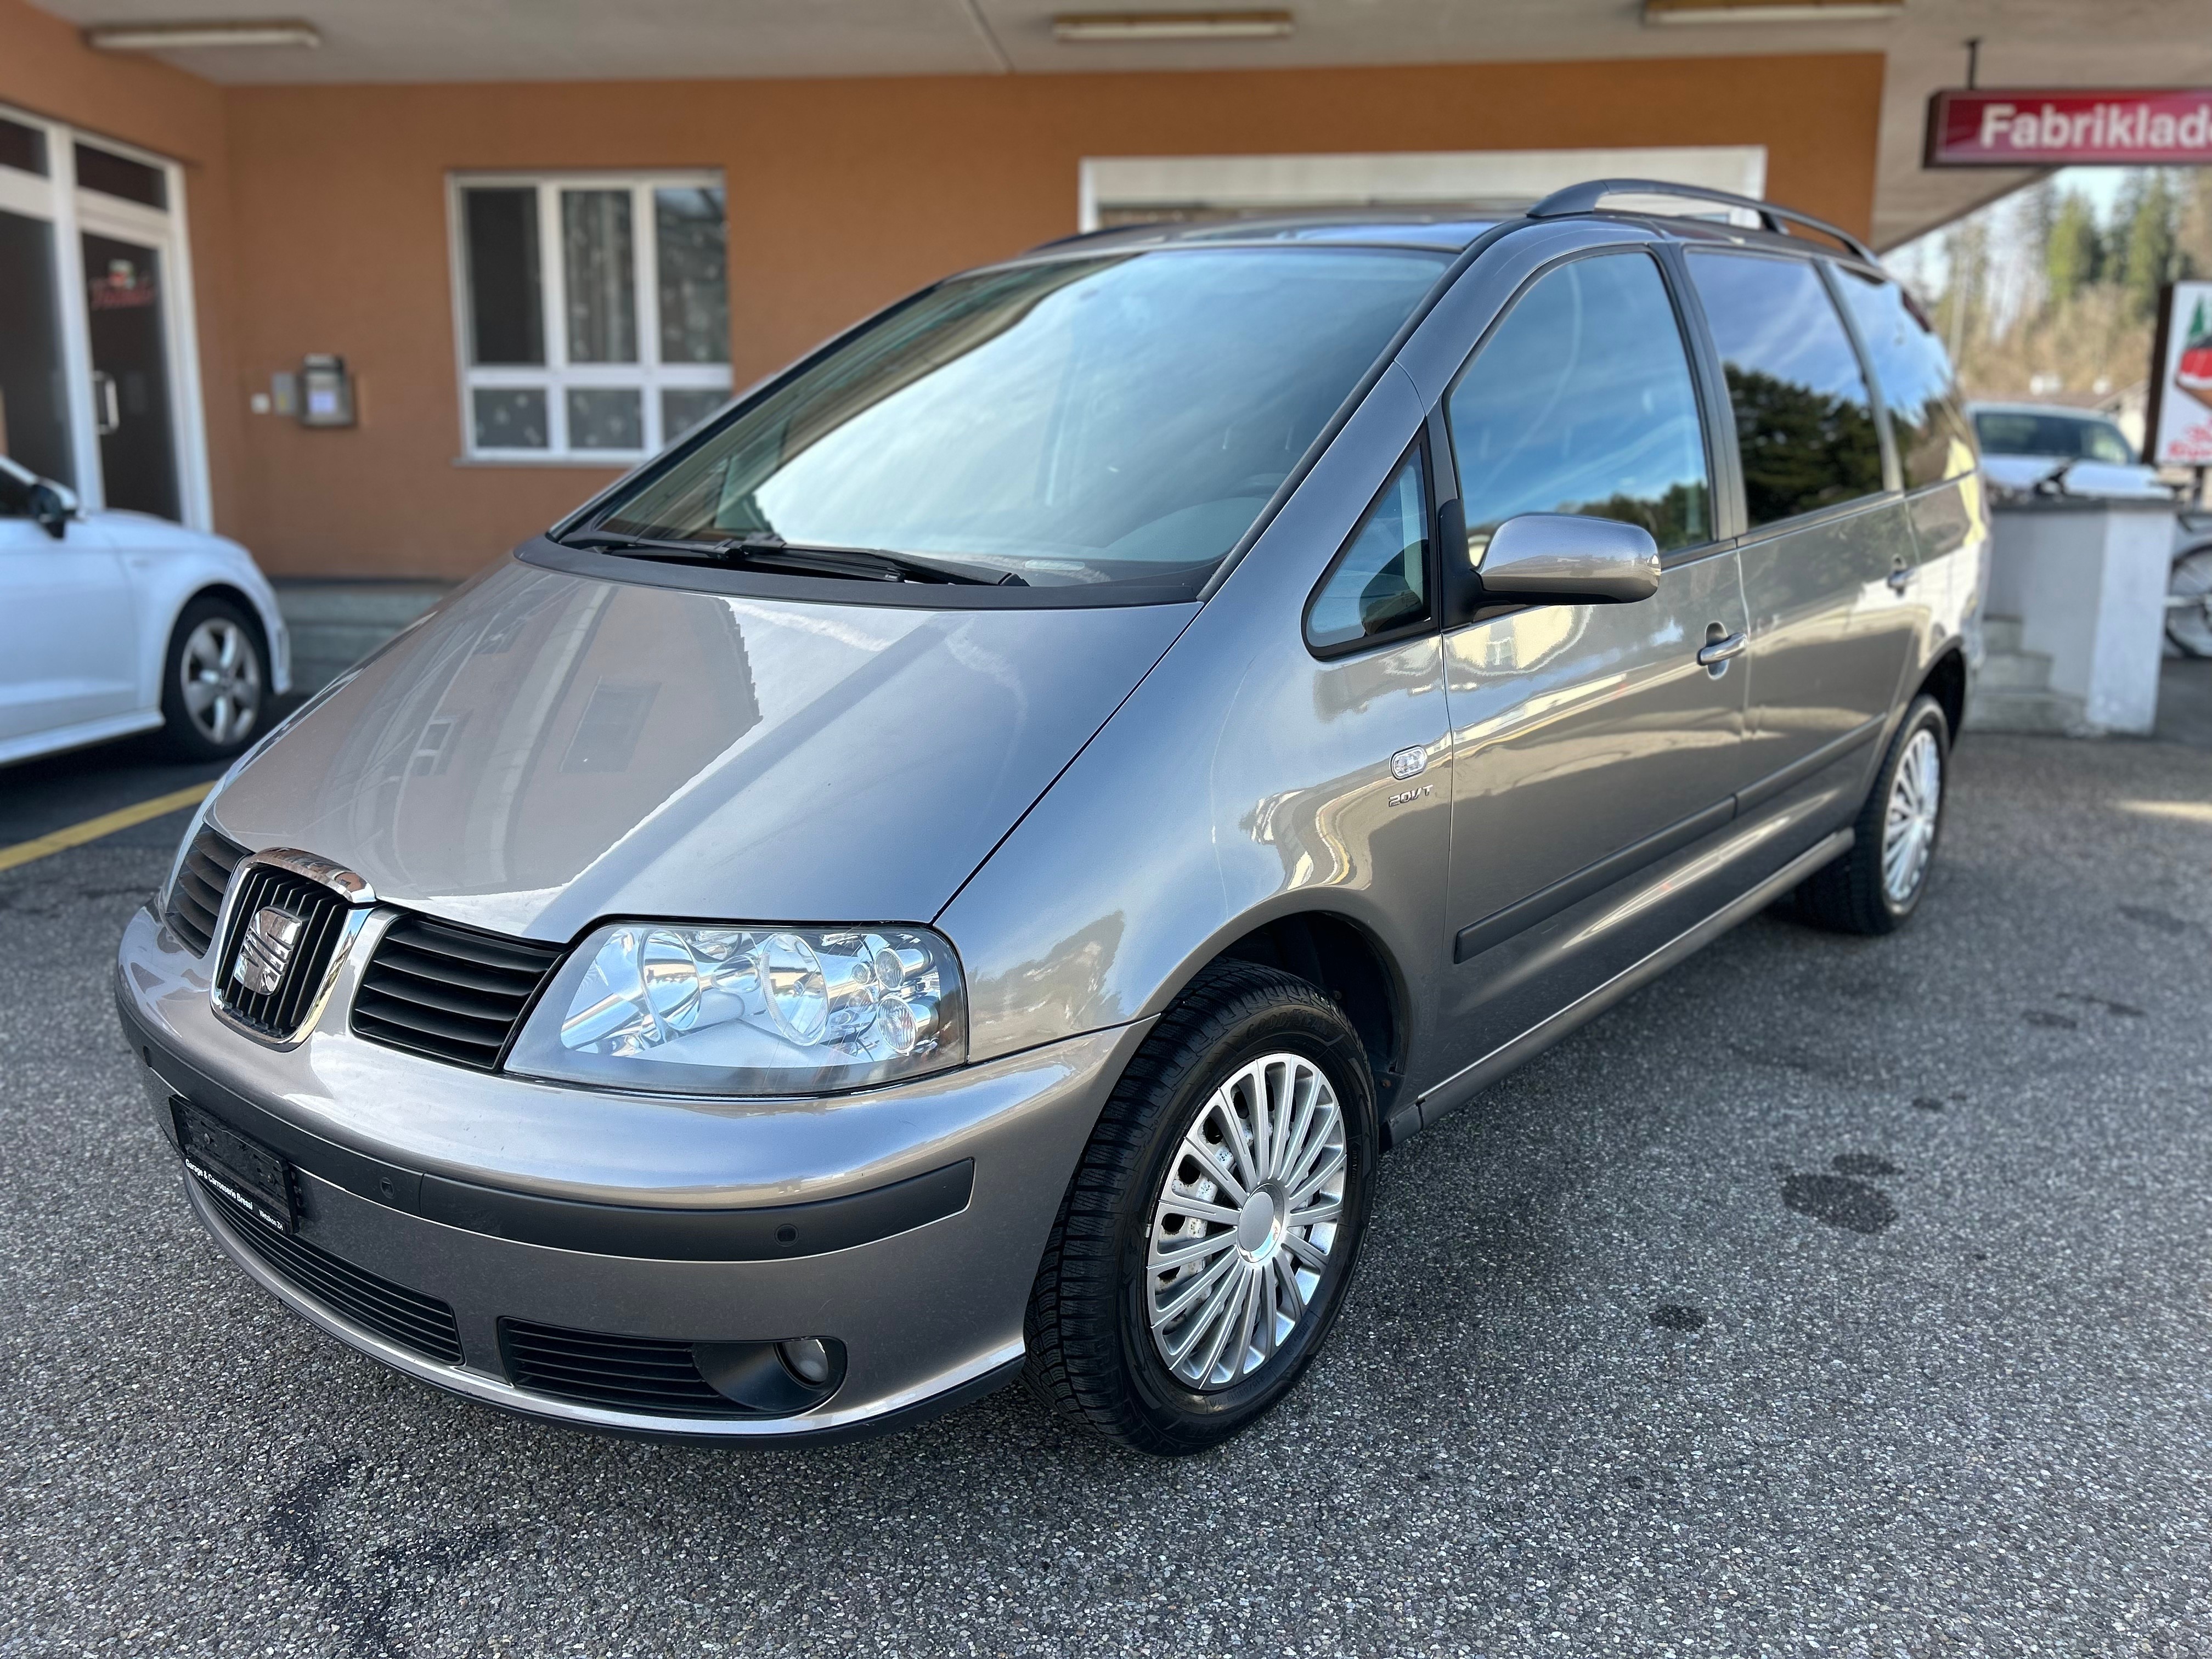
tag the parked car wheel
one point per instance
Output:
(2189, 601)
(213, 680)
(1205, 1243)
(1875, 887)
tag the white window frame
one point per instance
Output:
(558, 375)
(57, 200)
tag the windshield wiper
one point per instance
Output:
(773, 553)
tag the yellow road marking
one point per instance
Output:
(23, 852)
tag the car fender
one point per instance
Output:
(1213, 801)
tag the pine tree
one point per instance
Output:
(2152, 250)
(2073, 257)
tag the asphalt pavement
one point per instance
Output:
(1829, 1295)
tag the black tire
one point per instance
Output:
(1091, 1352)
(197, 735)
(1851, 895)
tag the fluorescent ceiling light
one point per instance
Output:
(1770, 11)
(185, 37)
(1171, 25)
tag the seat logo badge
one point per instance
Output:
(1409, 762)
(265, 953)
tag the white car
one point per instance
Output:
(118, 622)
(2049, 449)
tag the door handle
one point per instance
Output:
(1722, 649)
(108, 414)
(1898, 580)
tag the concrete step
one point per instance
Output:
(2015, 710)
(2015, 671)
(2001, 634)
(334, 624)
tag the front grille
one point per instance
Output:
(621, 1373)
(416, 1322)
(322, 914)
(448, 992)
(196, 898)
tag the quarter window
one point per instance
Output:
(1916, 387)
(594, 312)
(1804, 420)
(1379, 585)
(1581, 402)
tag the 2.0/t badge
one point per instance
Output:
(265, 953)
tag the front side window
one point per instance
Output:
(1915, 375)
(595, 314)
(1076, 423)
(1804, 420)
(1379, 586)
(1581, 401)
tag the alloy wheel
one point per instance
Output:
(1915, 798)
(219, 674)
(1247, 1216)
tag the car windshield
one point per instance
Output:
(1081, 421)
(2065, 437)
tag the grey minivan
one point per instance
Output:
(965, 862)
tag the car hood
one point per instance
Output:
(548, 749)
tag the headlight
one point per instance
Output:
(747, 1010)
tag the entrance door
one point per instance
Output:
(125, 300)
(33, 396)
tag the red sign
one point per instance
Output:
(2133, 127)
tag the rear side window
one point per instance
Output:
(1915, 376)
(1804, 420)
(1379, 585)
(1581, 402)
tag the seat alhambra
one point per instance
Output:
(963, 864)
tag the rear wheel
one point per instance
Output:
(1877, 886)
(213, 680)
(1207, 1242)
(2188, 602)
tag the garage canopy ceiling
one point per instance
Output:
(2025, 43)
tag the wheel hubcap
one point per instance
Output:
(1915, 798)
(1245, 1220)
(219, 674)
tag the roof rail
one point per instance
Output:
(1585, 197)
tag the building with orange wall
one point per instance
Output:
(431, 234)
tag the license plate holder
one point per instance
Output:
(236, 1167)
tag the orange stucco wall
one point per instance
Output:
(46, 68)
(842, 195)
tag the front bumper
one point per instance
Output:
(669, 1220)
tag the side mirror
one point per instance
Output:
(52, 506)
(1563, 558)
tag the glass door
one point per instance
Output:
(125, 302)
(98, 366)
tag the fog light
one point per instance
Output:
(808, 1359)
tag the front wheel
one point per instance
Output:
(1877, 886)
(215, 679)
(1207, 1239)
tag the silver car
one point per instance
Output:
(964, 864)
